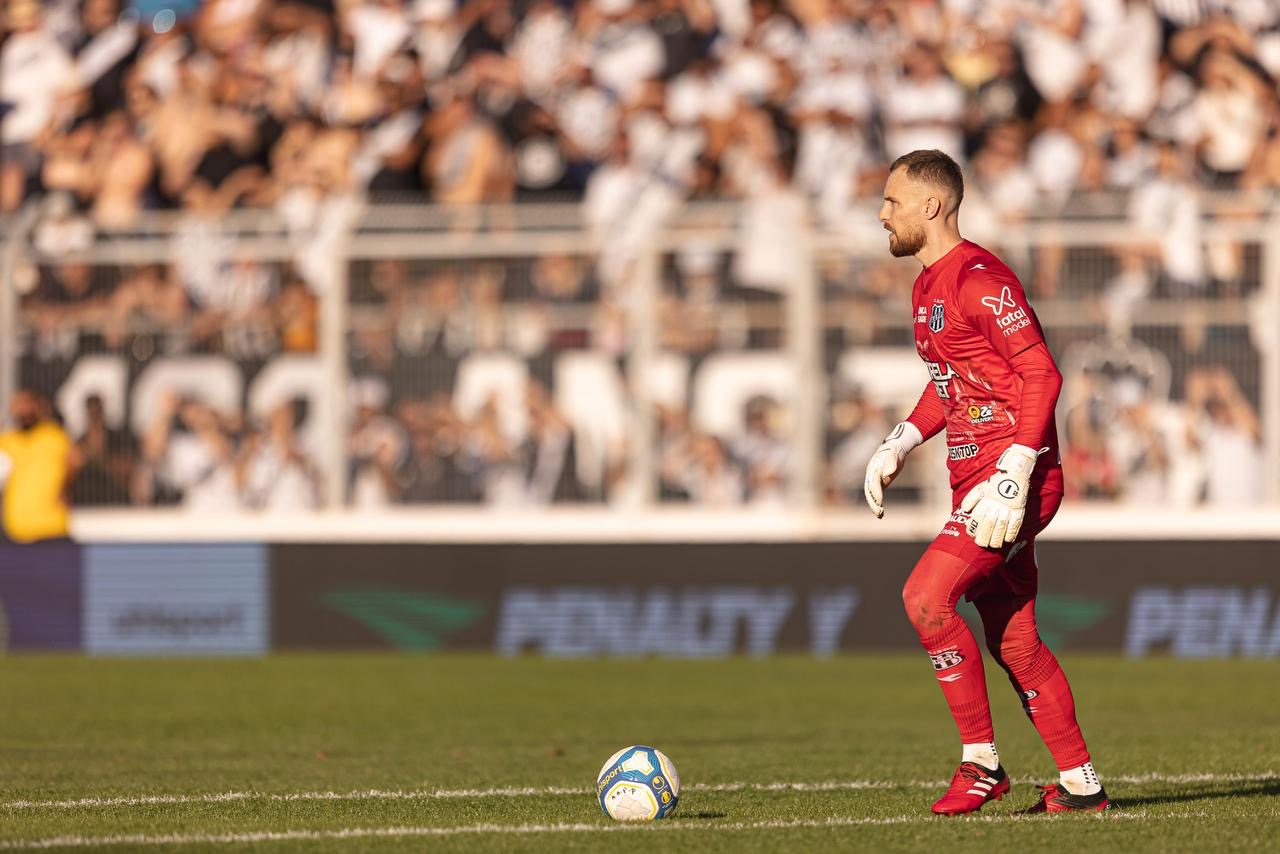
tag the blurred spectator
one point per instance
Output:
(441, 469)
(856, 426)
(376, 447)
(714, 478)
(1087, 464)
(763, 451)
(497, 461)
(147, 299)
(1167, 205)
(550, 452)
(190, 453)
(35, 73)
(274, 472)
(67, 298)
(1050, 34)
(674, 452)
(108, 454)
(297, 318)
(1006, 94)
(37, 462)
(1005, 183)
(925, 108)
(468, 162)
(1228, 436)
(1231, 108)
(1140, 448)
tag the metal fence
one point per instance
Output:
(725, 357)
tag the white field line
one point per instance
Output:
(545, 791)
(134, 840)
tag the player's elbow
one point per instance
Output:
(1053, 380)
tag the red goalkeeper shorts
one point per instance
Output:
(1011, 569)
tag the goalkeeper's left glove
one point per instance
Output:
(996, 506)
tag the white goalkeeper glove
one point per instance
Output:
(886, 462)
(996, 506)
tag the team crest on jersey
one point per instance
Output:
(936, 319)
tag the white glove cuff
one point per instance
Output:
(1017, 459)
(905, 436)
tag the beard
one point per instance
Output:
(906, 242)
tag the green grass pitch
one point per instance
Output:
(451, 753)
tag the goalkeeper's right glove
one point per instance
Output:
(886, 462)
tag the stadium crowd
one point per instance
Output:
(216, 104)
(111, 108)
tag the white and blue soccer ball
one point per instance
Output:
(638, 783)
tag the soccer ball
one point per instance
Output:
(638, 783)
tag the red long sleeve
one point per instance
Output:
(928, 416)
(1041, 383)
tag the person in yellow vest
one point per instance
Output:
(37, 461)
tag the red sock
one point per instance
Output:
(1012, 637)
(930, 596)
(957, 662)
(1053, 712)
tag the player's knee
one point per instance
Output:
(927, 612)
(1022, 656)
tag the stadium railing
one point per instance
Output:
(523, 372)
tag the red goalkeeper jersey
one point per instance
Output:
(978, 336)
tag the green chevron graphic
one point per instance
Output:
(406, 619)
(1059, 615)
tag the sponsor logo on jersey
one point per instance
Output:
(957, 517)
(1010, 317)
(922, 315)
(962, 452)
(980, 413)
(936, 317)
(947, 658)
(1013, 321)
(942, 375)
(1002, 303)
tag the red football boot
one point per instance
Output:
(971, 787)
(1054, 798)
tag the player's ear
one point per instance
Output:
(932, 207)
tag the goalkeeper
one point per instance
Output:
(993, 388)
